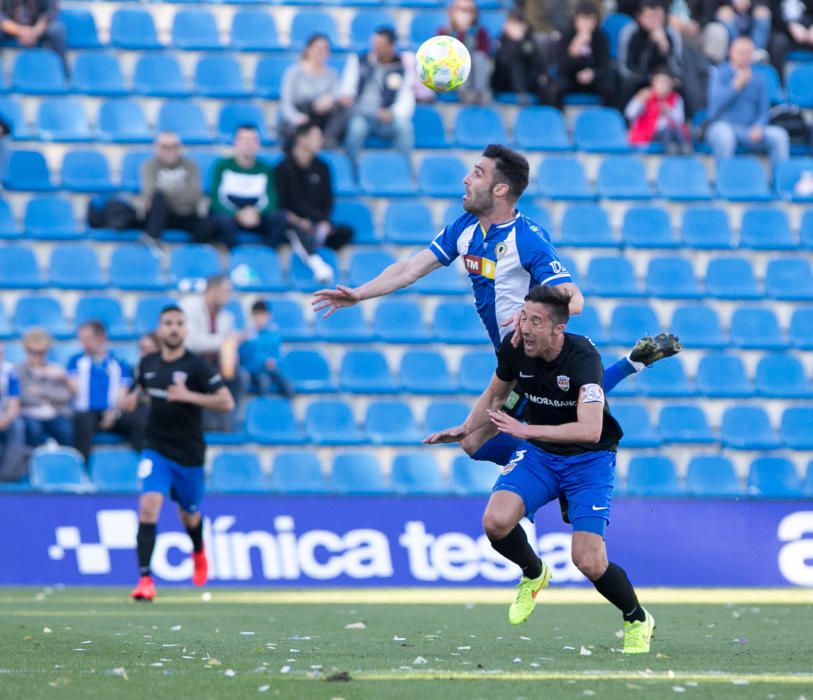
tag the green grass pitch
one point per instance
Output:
(95, 643)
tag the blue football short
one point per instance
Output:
(538, 477)
(184, 485)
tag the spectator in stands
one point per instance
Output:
(657, 115)
(13, 452)
(518, 64)
(45, 392)
(100, 382)
(739, 107)
(260, 353)
(212, 334)
(381, 95)
(171, 195)
(34, 23)
(243, 196)
(464, 25)
(584, 56)
(306, 196)
(148, 344)
(746, 18)
(309, 93)
(792, 30)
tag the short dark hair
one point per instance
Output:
(586, 7)
(170, 308)
(557, 300)
(652, 5)
(512, 168)
(261, 307)
(246, 126)
(386, 31)
(96, 326)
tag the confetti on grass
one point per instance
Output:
(355, 626)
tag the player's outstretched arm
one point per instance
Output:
(396, 276)
(220, 400)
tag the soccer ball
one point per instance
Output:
(443, 63)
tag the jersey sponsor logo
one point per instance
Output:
(563, 382)
(476, 265)
(144, 468)
(592, 393)
(601, 507)
(545, 401)
(516, 459)
(149, 375)
(179, 377)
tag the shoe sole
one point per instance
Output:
(545, 581)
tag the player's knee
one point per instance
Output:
(497, 525)
(149, 508)
(591, 563)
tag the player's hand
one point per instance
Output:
(516, 338)
(508, 425)
(334, 299)
(108, 419)
(178, 393)
(129, 403)
(455, 434)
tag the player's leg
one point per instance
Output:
(155, 479)
(646, 352)
(187, 490)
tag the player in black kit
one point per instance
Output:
(179, 385)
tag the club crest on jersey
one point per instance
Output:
(516, 459)
(475, 265)
(563, 382)
(179, 377)
(500, 250)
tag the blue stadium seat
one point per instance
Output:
(133, 29)
(86, 171)
(205, 160)
(766, 228)
(253, 30)
(787, 174)
(107, 310)
(754, 328)
(441, 176)
(721, 375)
(476, 370)
(683, 179)
(297, 472)
(362, 26)
(220, 76)
(476, 127)
(807, 486)
(306, 23)
(270, 421)
(801, 328)
(458, 323)
(773, 477)
(731, 278)
(19, 268)
(268, 75)
(256, 268)
(186, 119)
(346, 326)
(612, 276)
(425, 23)
(416, 472)
(98, 73)
(123, 121)
(391, 423)
(634, 420)
(444, 414)
(563, 177)
(587, 225)
(292, 324)
(308, 371)
(341, 173)
(63, 119)
(623, 177)
(742, 179)
(748, 428)
(38, 72)
(114, 470)
(648, 227)
(366, 372)
(386, 174)
(706, 228)
(601, 130)
(12, 112)
(796, 427)
(471, 477)
(27, 171)
(665, 380)
(357, 215)
(80, 27)
(8, 227)
(782, 376)
(135, 267)
(237, 472)
(49, 218)
(630, 321)
(59, 470)
(408, 221)
(234, 114)
(357, 473)
(425, 372)
(130, 170)
(194, 261)
(148, 309)
(446, 281)
(672, 277)
(652, 475)
(538, 213)
(712, 476)
(679, 424)
(332, 423)
(399, 321)
(776, 95)
(800, 86)
(75, 267)
(612, 24)
(367, 264)
(541, 129)
(195, 30)
(698, 327)
(159, 75)
(806, 229)
(429, 130)
(589, 324)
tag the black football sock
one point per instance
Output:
(196, 534)
(145, 541)
(615, 586)
(515, 547)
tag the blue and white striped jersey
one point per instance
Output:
(98, 381)
(503, 263)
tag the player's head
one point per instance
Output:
(543, 320)
(260, 313)
(500, 174)
(217, 292)
(382, 44)
(247, 142)
(92, 337)
(172, 327)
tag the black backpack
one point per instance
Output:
(791, 119)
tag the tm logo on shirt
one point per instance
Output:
(475, 265)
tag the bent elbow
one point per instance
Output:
(594, 436)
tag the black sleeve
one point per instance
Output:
(138, 380)
(282, 179)
(326, 200)
(506, 360)
(587, 369)
(601, 54)
(208, 378)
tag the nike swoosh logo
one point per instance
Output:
(149, 375)
(525, 376)
(601, 508)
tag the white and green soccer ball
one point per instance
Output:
(443, 63)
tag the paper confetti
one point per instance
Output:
(355, 626)
(584, 651)
(175, 628)
(419, 660)
(264, 688)
(229, 673)
(47, 630)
